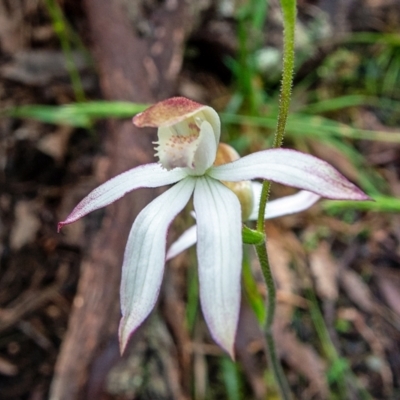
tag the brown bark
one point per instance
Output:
(134, 67)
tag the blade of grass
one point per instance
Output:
(392, 39)
(339, 103)
(251, 19)
(251, 291)
(76, 114)
(61, 29)
(319, 126)
(192, 305)
(231, 379)
(306, 125)
(383, 204)
(344, 375)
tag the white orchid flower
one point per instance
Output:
(188, 135)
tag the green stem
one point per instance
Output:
(269, 280)
(277, 368)
(271, 305)
(263, 204)
(289, 22)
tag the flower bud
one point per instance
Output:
(242, 189)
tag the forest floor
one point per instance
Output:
(337, 269)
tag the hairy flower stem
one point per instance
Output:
(271, 303)
(269, 280)
(289, 22)
(263, 204)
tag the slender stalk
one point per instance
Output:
(289, 18)
(269, 280)
(289, 23)
(271, 305)
(276, 366)
(263, 204)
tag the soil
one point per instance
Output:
(59, 305)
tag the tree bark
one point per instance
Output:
(133, 66)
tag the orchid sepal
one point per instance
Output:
(220, 240)
(144, 257)
(291, 168)
(148, 175)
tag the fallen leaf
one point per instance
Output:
(325, 271)
(302, 358)
(7, 368)
(40, 67)
(357, 290)
(11, 37)
(374, 338)
(250, 342)
(26, 224)
(55, 144)
(388, 280)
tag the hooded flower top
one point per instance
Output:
(188, 139)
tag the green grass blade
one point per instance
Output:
(61, 28)
(383, 204)
(76, 114)
(339, 103)
(306, 125)
(231, 378)
(392, 39)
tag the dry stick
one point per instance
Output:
(27, 304)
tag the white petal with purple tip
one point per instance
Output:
(219, 254)
(291, 168)
(149, 175)
(144, 258)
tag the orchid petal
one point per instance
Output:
(149, 175)
(144, 258)
(219, 253)
(186, 240)
(285, 205)
(291, 168)
(206, 150)
(190, 144)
